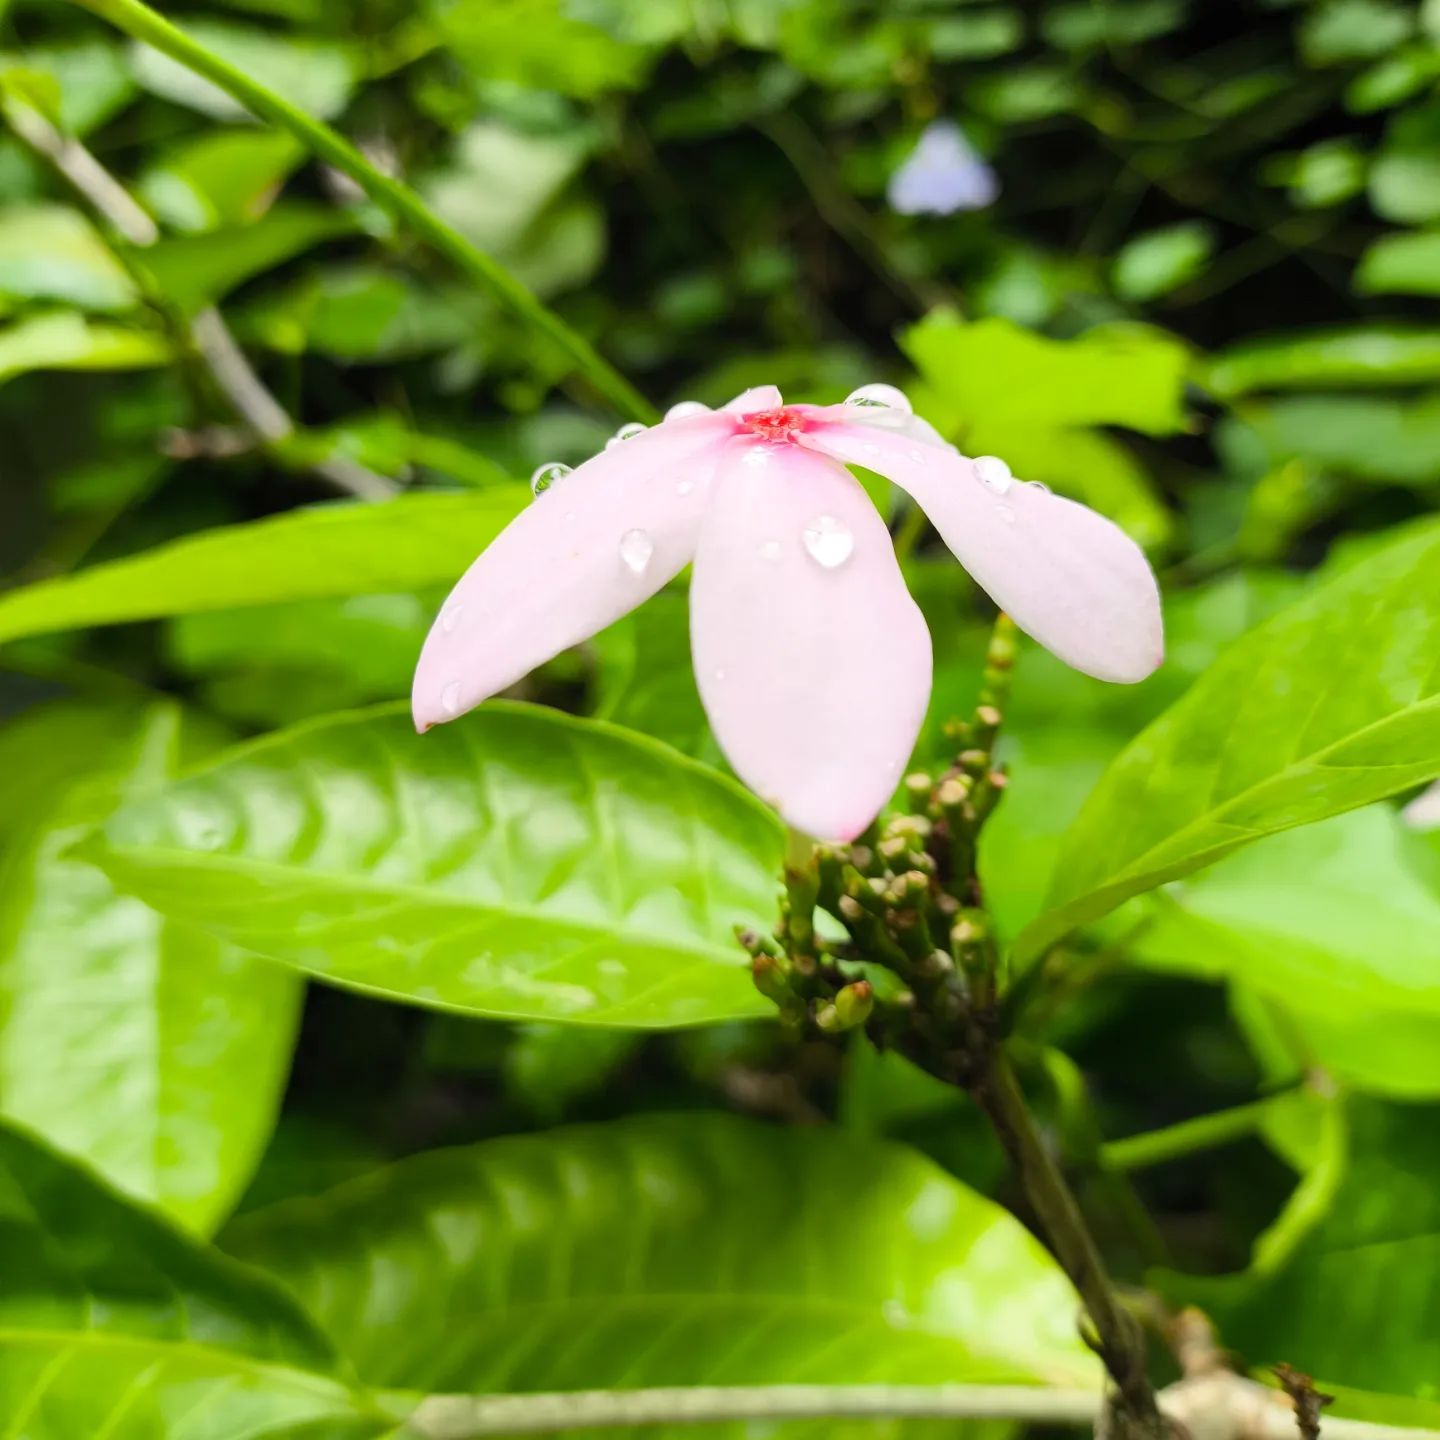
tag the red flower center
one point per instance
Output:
(782, 424)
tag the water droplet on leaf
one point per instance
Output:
(636, 548)
(829, 542)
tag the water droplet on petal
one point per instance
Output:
(719, 674)
(1005, 513)
(993, 473)
(547, 475)
(868, 448)
(1039, 485)
(684, 487)
(880, 397)
(685, 409)
(771, 550)
(829, 542)
(450, 617)
(918, 456)
(636, 548)
(450, 698)
(630, 431)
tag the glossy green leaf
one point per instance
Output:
(1354, 1301)
(518, 863)
(1331, 925)
(1366, 356)
(571, 1260)
(193, 271)
(325, 550)
(114, 1325)
(1330, 705)
(51, 252)
(1401, 264)
(145, 1048)
(225, 178)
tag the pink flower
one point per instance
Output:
(813, 662)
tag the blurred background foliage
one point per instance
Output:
(1203, 301)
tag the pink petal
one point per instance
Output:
(584, 553)
(1067, 576)
(815, 672)
(760, 397)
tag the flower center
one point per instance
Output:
(775, 425)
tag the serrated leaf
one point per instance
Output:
(337, 549)
(570, 1260)
(1330, 705)
(145, 1048)
(113, 1324)
(520, 863)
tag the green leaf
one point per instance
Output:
(317, 75)
(222, 179)
(51, 252)
(335, 549)
(1359, 356)
(1401, 265)
(91, 75)
(194, 271)
(140, 1046)
(1330, 705)
(113, 1324)
(570, 1260)
(1405, 174)
(521, 863)
(1160, 261)
(67, 341)
(1354, 1300)
(1341, 31)
(1333, 927)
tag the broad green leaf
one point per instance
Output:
(68, 341)
(571, 1260)
(1333, 927)
(113, 1324)
(1342, 31)
(1324, 174)
(1160, 261)
(145, 1048)
(317, 75)
(52, 252)
(519, 863)
(1371, 437)
(1405, 174)
(1364, 356)
(1354, 1301)
(90, 75)
(1081, 25)
(1332, 704)
(325, 550)
(221, 179)
(193, 271)
(1401, 264)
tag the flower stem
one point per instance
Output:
(142, 23)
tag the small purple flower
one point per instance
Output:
(813, 661)
(943, 174)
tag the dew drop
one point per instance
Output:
(636, 548)
(685, 409)
(880, 397)
(450, 698)
(684, 487)
(450, 618)
(869, 448)
(547, 475)
(918, 456)
(719, 674)
(1039, 485)
(829, 542)
(993, 473)
(630, 431)
(756, 455)
(771, 550)
(1005, 513)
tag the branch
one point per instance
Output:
(1218, 1406)
(207, 334)
(393, 196)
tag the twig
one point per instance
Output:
(1218, 1406)
(207, 334)
(1308, 1401)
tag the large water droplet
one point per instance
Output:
(829, 542)
(624, 433)
(636, 548)
(450, 698)
(880, 397)
(1039, 485)
(685, 409)
(771, 550)
(993, 473)
(551, 473)
(450, 617)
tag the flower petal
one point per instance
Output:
(1066, 575)
(587, 551)
(760, 397)
(812, 659)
